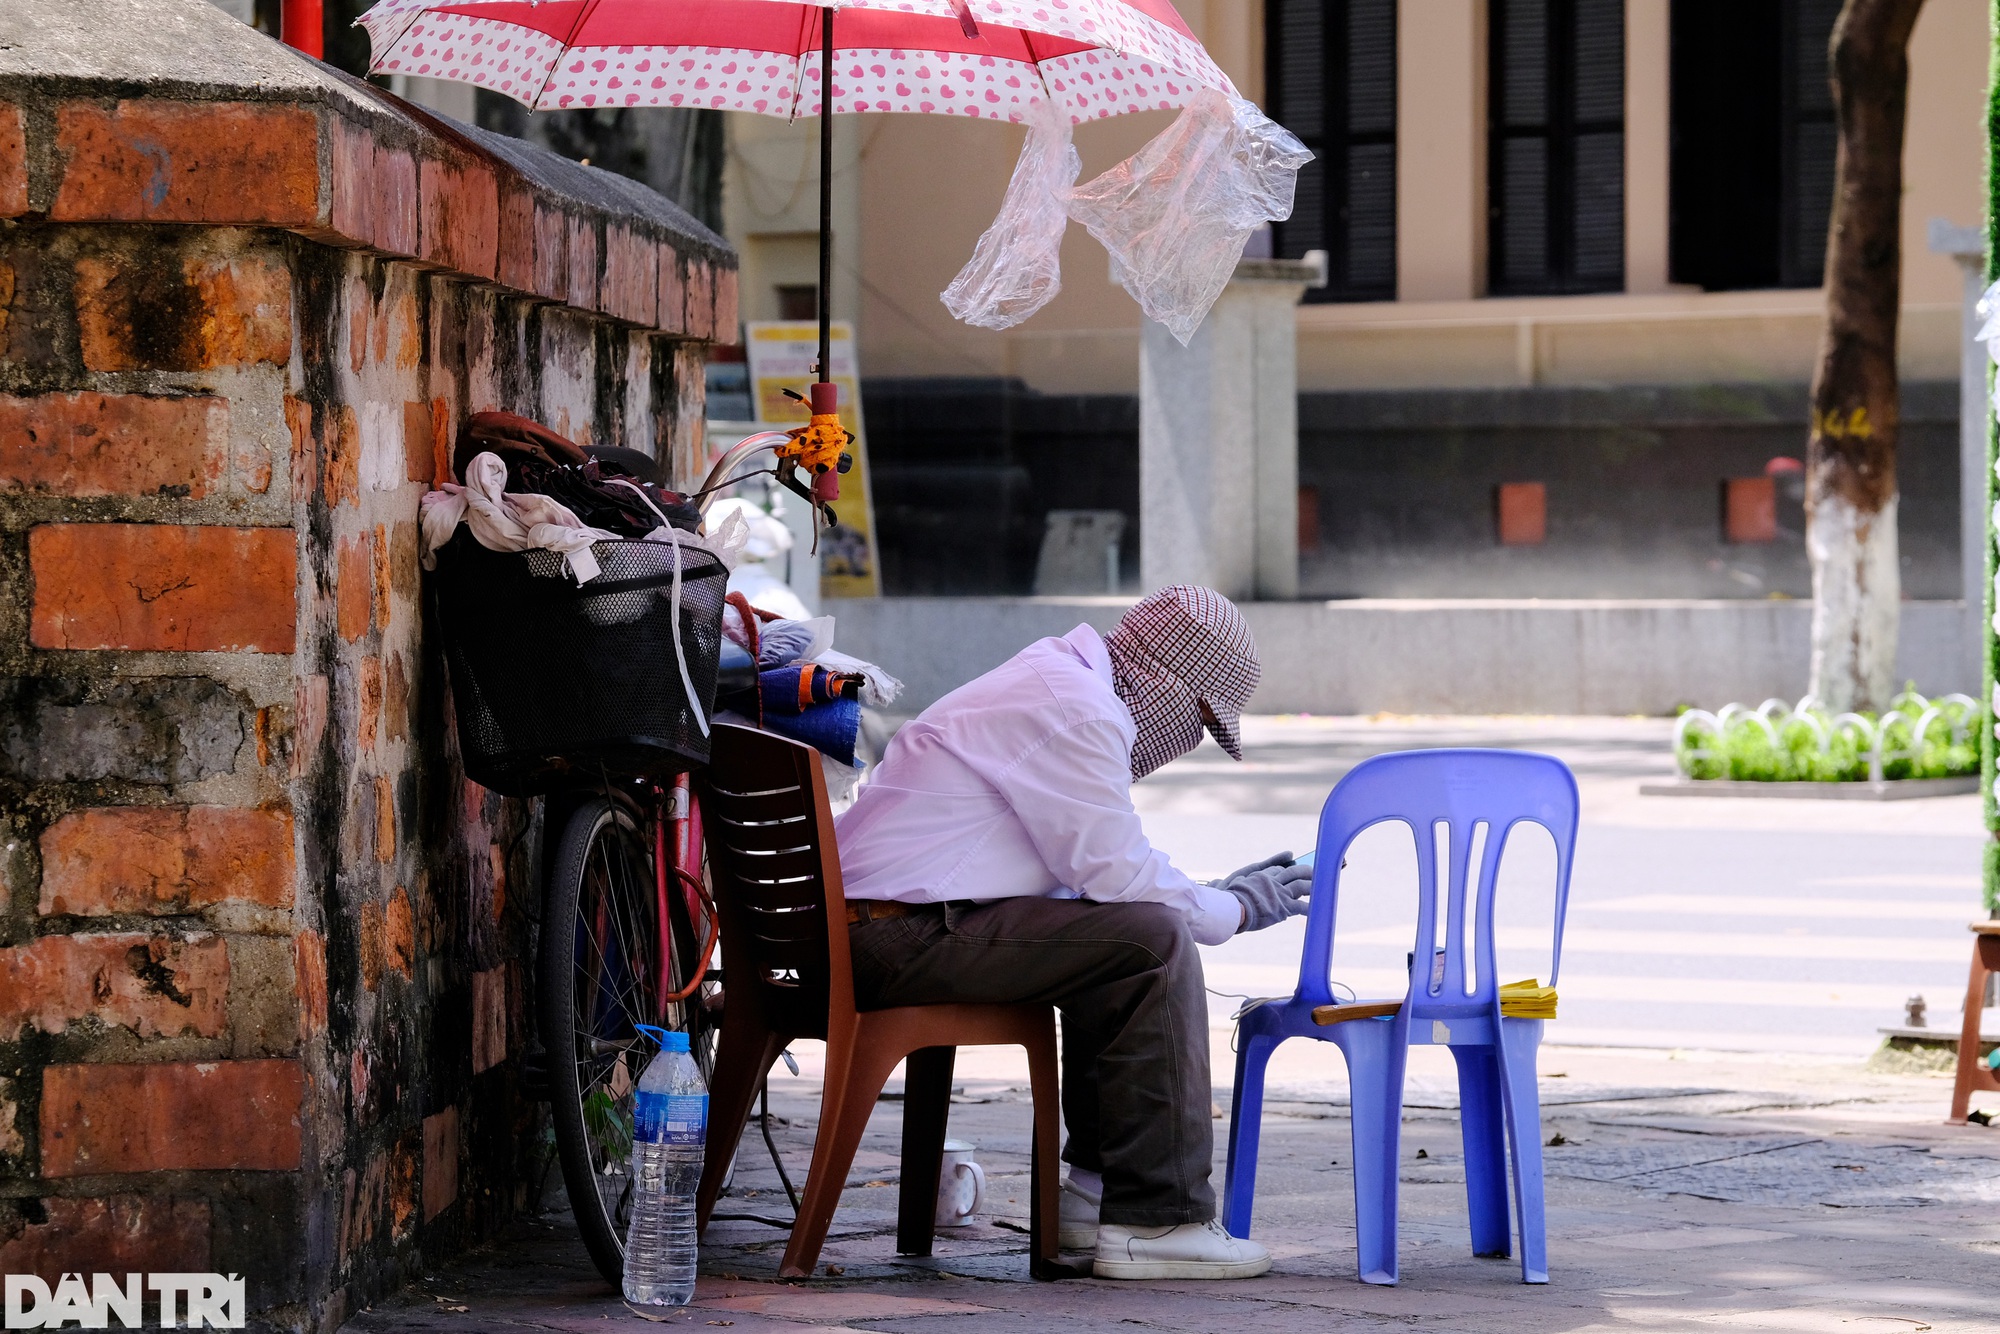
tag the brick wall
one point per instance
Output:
(263, 986)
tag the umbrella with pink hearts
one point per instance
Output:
(1011, 60)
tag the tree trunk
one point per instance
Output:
(1851, 454)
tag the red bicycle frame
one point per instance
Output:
(677, 806)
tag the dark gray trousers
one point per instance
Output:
(1128, 982)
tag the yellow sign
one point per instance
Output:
(782, 356)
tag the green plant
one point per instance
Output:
(1780, 743)
(608, 1124)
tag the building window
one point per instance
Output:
(798, 301)
(1556, 125)
(1753, 143)
(1331, 76)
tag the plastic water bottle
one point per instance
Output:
(670, 1126)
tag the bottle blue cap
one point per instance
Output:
(668, 1040)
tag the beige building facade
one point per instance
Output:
(913, 194)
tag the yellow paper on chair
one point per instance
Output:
(1527, 1000)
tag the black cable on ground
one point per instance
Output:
(764, 1120)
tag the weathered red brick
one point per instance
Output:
(517, 237)
(700, 299)
(137, 314)
(163, 586)
(352, 210)
(398, 201)
(118, 1235)
(387, 940)
(459, 217)
(6, 309)
(305, 448)
(13, 162)
(496, 858)
(247, 303)
(310, 702)
(398, 330)
(343, 457)
(363, 1197)
(631, 275)
(374, 192)
(404, 563)
(189, 1116)
(166, 859)
(150, 160)
(418, 451)
(369, 922)
(399, 938)
(309, 967)
(383, 557)
(673, 292)
(440, 1162)
(489, 1019)
(440, 442)
(354, 586)
(551, 252)
(357, 323)
(369, 690)
(155, 986)
(113, 444)
(580, 283)
(403, 1164)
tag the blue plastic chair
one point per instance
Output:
(1498, 1103)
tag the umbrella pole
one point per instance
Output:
(826, 197)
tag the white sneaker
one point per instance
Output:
(1078, 1222)
(1192, 1250)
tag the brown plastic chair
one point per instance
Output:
(786, 976)
(1972, 1072)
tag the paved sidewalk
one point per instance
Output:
(1702, 1193)
(1727, 1160)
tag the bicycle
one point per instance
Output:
(628, 937)
(628, 933)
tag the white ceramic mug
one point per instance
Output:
(961, 1185)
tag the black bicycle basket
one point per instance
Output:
(556, 682)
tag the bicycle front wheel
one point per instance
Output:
(599, 978)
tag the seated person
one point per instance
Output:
(994, 857)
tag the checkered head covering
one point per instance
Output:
(1172, 653)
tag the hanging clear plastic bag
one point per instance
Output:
(1015, 269)
(1175, 215)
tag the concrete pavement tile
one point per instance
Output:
(835, 1304)
(623, 1321)
(1242, 1307)
(1685, 1239)
(1820, 1319)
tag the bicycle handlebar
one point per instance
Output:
(733, 457)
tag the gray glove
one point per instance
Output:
(1270, 891)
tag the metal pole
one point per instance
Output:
(826, 197)
(302, 25)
